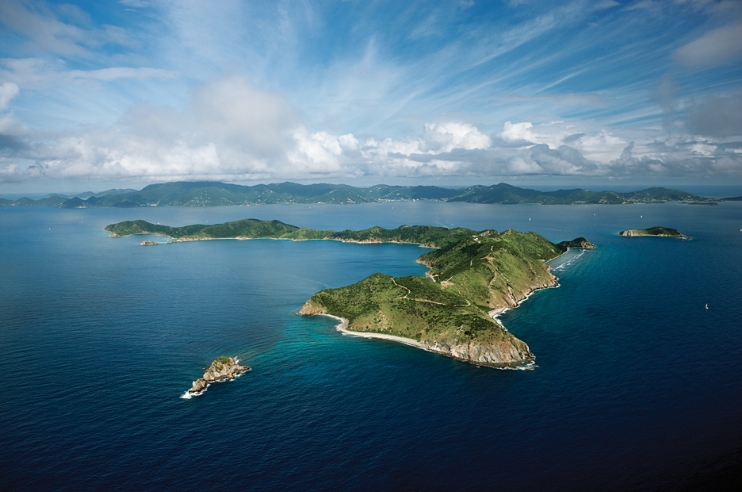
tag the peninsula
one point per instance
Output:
(484, 273)
(654, 231)
(473, 275)
(222, 369)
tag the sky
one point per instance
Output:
(95, 95)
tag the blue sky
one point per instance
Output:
(102, 94)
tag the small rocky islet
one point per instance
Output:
(654, 232)
(222, 369)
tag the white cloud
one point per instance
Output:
(8, 90)
(601, 147)
(713, 48)
(513, 132)
(445, 137)
(317, 153)
(703, 149)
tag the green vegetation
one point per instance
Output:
(472, 273)
(472, 276)
(254, 229)
(450, 315)
(654, 231)
(214, 194)
(409, 307)
(579, 243)
(224, 359)
(493, 270)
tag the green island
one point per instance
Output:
(210, 194)
(473, 276)
(654, 231)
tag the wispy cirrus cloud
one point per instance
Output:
(253, 90)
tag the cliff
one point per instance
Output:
(222, 369)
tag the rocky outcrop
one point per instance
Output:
(309, 309)
(149, 243)
(510, 353)
(578, 243)
(222, 369)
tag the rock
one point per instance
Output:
(222, 369)
(199, 386)
(309, 309)
(578, 243)
(509, 353)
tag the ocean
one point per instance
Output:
(637, 387)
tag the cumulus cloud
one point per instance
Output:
(518, 132)
(445, 137)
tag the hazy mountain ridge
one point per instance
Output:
(204, 193)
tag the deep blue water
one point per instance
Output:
(638, 386)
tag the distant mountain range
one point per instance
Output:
(205, 193)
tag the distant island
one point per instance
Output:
(473, 276)
(204, 193)
(222, 369)
(654, 231)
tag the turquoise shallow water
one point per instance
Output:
(637, 385)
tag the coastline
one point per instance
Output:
(497, 312)
(243, 238)
(343, 328)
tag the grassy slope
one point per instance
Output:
(494, 271)
(253, 228)
(481, 272)
(474, 272)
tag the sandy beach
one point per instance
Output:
(343, 328)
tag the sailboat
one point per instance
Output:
(707, 305)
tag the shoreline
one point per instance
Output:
(242, 238)
(343, 328)
(497, 312)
